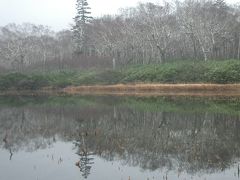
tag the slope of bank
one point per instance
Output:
(182, 72)
(226, 90)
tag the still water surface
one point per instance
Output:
(120, 138)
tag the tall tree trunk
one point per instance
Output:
(162, 54)
(239, 47)
(44, 60)
(194, 46)
(204, 53)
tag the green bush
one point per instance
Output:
(175, 72)
(20, 81)
(12, 80)
(227, 72)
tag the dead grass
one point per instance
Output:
(156, 87)
(141, 90)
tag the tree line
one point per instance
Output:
(149, 33)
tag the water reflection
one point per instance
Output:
(181, 135)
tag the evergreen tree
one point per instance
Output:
(86, 158)
(85, 164)
(81, 20)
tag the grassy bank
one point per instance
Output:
(219, 72)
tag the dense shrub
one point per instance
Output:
(186, 72)
(175, 72)
(227, 72)
(20, 81)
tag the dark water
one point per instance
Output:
(106, 138)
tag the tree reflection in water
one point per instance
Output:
(190, 135)
(86, 157)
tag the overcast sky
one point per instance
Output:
(57, 14)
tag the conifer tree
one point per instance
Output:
(82, 18)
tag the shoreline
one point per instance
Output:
(225, 90)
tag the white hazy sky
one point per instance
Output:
(58, 14)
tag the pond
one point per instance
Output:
(120, 138)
